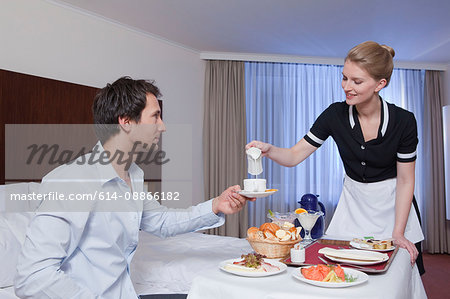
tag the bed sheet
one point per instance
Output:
(7, 293)
(168, 266)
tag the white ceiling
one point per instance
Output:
(418, 30)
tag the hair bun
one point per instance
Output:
(389, 49)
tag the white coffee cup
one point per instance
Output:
(255, 185)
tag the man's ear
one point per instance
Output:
(125, 123)
(381, 84)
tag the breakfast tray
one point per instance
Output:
(312, 256)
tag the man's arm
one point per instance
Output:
(164, 222)
(50, 239)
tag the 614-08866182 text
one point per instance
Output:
(152, 196)
(139, 196)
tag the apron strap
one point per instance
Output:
(419, 260)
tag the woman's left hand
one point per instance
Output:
(401, 241)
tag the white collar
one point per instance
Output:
(384, 110)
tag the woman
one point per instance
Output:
(377, 144)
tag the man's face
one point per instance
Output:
(148, 130)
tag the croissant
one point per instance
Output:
(269, 226)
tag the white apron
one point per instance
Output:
(368, 209)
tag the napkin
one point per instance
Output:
(354, 254)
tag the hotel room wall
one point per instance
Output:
(46, 39)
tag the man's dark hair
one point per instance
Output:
(123, 98)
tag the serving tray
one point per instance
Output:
(312, 256)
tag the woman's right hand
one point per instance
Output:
(264, 147)
(284, 156)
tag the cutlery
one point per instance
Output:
(346, 264)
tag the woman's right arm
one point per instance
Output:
(285, 156)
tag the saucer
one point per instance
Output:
(253, 194)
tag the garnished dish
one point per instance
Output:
(253, 265)
(370, 243)
(330, 276)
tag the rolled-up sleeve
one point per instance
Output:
(165, 222)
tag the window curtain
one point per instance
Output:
(282, 102)
(438, 228)
(224, 137)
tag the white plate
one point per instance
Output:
(356, 262)
(360, 278)
(256, 194)
(253, 274)
(361, 246)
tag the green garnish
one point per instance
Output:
(270, 212)
(349, 278)
(252, 260)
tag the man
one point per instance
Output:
(83, 249)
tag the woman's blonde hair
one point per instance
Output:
(376, 59)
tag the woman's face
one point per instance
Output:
(358, 84)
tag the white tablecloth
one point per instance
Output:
(168, 266)
(400, 281)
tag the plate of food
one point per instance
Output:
(252, 265)
(257, 194)
(354, 256)
(369, 243)
(330, 276)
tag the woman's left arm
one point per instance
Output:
(403, 200)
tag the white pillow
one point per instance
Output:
(9, 252)
(13, 228)
(18, 221)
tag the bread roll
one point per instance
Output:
(270, 235)
(270, 226)
(252, 232)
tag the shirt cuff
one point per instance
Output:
(211, 219)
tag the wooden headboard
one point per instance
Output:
(27, 99)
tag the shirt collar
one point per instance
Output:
(106, 171)
(384, 116)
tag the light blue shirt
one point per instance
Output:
(72, 250)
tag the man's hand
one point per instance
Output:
(230, 201)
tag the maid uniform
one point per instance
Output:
(367, 203)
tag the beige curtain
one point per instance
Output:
(437, 227)
(224, 137)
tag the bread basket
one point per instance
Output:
(272, 249)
